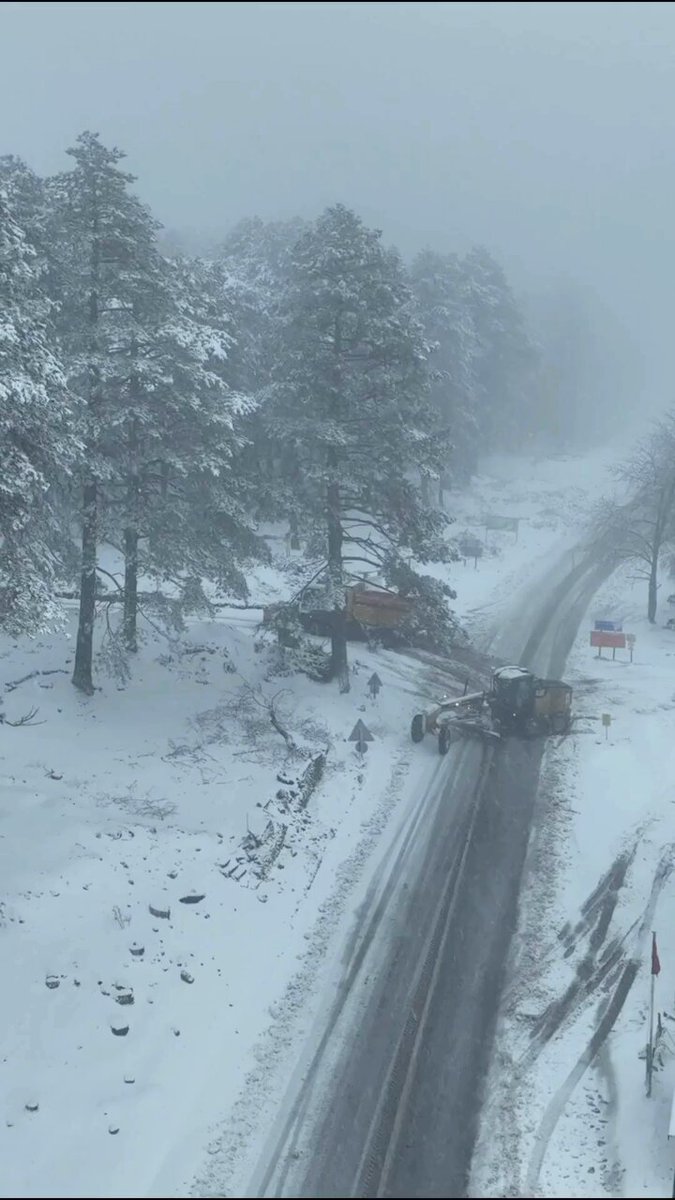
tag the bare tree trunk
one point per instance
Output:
(82, 673)
(339, 664)
(129, 620)
(651, 602)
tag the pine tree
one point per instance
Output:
(38, 445)
(255, 259)
(440, 286)
(506, 358)
(350, 400)
(147, 341)
(104, 237)
(25, 195)
(195, 494)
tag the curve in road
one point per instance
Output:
(390, 1103)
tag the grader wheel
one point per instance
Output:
(444, 739)
(417, 727)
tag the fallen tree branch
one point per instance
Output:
(27, 719)
(276, 724)
(14, 683)
(268, 705)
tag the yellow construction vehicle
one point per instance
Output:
(518, 704)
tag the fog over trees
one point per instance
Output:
(168, 391)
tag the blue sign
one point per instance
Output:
(609, 626)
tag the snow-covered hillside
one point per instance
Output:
(176, 887)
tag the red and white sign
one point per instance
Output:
(603, 638)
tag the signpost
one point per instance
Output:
(607, 721)
(630, 641)
(361, 735)
(612, 640)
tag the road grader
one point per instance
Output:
(517, 704)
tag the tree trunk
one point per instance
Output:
(651, 602)
(129, 621)
(82, 677)
(339, 664)
(130, 618)
(338, 641)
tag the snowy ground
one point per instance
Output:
(141, 1052)
(567, 1111)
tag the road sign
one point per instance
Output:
(613, 641)
(607, 721)
(609, 626)
(360, 733)
(374, 684)
(630, 642)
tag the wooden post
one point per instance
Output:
(650, 1046)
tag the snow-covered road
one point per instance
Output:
(390, 1102)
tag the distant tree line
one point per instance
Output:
(166, 404)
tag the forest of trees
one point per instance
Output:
(166, 405)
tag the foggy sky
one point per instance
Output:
(545, 131)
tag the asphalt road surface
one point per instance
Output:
(390, 1102)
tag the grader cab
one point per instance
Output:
(522, 704)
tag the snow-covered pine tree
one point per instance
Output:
(105, 267)
(440, 287)
(147, 342)
(195, 493)
(255, 261)
(506, 360)
(255, 257)
(38, 446)
(350, 400)
(25, 193)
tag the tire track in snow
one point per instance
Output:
(561, 1098)
(594, 968)
(356, 952)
